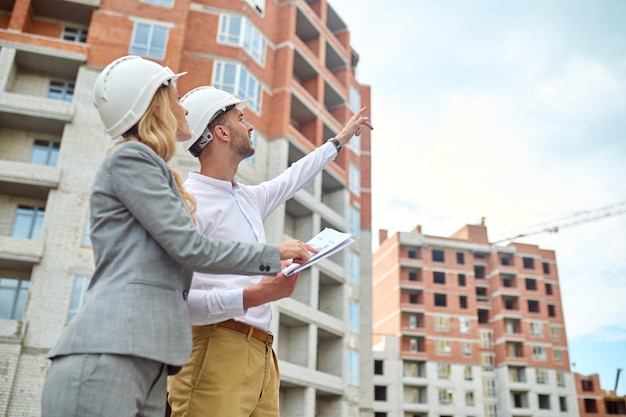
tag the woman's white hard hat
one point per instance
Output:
(124, 89)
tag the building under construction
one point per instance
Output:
(293, 60)
(464, 327)
(593, 401)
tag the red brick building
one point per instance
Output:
(593, 401)
(480, 327)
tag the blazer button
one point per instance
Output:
(185, 293)
(262, 268)
(267, 268)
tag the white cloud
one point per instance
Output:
(494, 109)
(585, 87)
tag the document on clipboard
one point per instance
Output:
(327, 242)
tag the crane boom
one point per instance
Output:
(576, 218)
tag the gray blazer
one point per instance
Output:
(146, 248)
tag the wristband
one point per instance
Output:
(336, 143)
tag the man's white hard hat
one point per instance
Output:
(124, 89)
(204, 104)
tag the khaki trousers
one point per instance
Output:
(228, 374)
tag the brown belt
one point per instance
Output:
(265, 337)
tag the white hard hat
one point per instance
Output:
(124, 89)
(204, 104)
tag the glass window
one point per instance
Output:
(463, 301)
(539, 353)
(149, 40)
(355, 99)
(485, 338)
(560, 378)
(554, 333)
(230, 30)
(479, 271)
(355, 179)
(557, 355)
(78, 294)
(489, 387)
(551, 310)
(86, 241)
(439, 277)
(415, 369)
(533, 306)
(544, 401)
(442, 323)
(467, 348)
(445, 396)
(438, 255)
(353, 317)
(460, 258)
(355, 267)
(491, 410)
(238, 81)
(355, 144)
(440, 300)
(61, 90)
(536, 329)
(28, 222)
(514, 349)
(517, 373)
(469, 398)
(531, 284)
(461, 278)
(166, 3)
(443, 370)
(45, 153)
(548, 288)
(355, 221)
(487, 361)
(353, 368)
(416, 345)
(529, 263)
(13, 295)
(542, 376)
(464, 324)
(77, 35)
(239, 31)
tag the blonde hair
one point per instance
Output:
(159, 133)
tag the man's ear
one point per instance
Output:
(221, 132)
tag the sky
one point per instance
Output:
(514, 111)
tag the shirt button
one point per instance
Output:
(185, 293)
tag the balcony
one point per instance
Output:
(78, 11)
(20, 254)
(26, 112)
(28, 180)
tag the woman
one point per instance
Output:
(133, 328)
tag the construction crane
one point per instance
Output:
(574, 219)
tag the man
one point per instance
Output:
(233, 370)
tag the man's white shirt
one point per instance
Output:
(235, 212)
